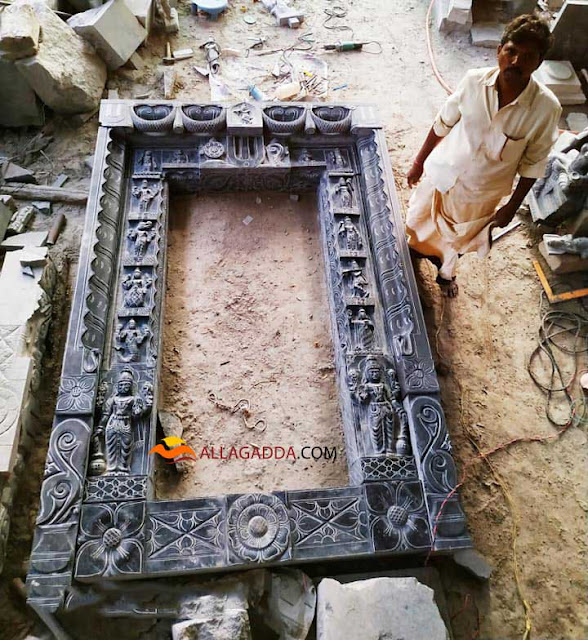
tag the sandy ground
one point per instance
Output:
(484, 337)
(247, 319)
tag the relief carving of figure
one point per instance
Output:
(363, 330)
(142, 237)
(145, 194)
(337, 159)
(564, 189)
(147, 162)
(305, 156)
(119, 416)
(385, 422)
(349, 235)
(358, 285)
(137, 286)
(129, 339)
(180, 156)
(344, 191)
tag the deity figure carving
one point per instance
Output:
(145, 195)
(385, 423)
(305, 155)
(344, 192)
(336, 158)
(566, 244)
(119, 416)
(564, 189)
(350, 236)
(358, 284)
(363, 330)
(142, 236)
(129, 339)
(147, 162)
(353, 380)
(180, 156)
(137, 286)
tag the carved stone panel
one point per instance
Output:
(98, 520)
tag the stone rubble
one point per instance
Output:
(20, 104)
(376, 609)
(66, 73)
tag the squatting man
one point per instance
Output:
(498, 123)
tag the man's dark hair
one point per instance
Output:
(529, 28)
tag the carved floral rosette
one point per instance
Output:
(258, 527)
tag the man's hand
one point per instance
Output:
(505, 214)
(414, 174)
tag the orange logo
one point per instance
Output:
(175, 450)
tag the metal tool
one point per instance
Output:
(348, 45)
(168, 58)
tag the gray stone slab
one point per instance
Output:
(66, 73)
(5, 217)
(112, 29)
(24, 240)
(569, 32)
(12, 172)
(376, 609)
(474, 562)
(19, 32)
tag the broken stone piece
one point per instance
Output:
(284, 14)
(66, 73)
(474, 562)
(24, 240)
(289, 604)
(170, 76)
(113, 31)
(19, 32)
(376, 609)
(453, 15)
(42, 206)
(20, 220)
(234, 625)
(13, 173)
(33, 257)
(20, 105)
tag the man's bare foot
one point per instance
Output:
(449, 288)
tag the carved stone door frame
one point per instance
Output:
(98, 520)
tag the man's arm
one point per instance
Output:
(505, 214)
(416, 171)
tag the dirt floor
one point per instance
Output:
(483, 338)
(247, 318)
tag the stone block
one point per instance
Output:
(376, 609)
(20, 105)
(143, 11)
(66, 73)
(244, 119)
(19, 32)
(569, 32)
(474, 562)
(487, 34)
(112, 29)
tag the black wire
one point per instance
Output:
(555, 326)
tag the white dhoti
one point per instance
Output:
(447, 225)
